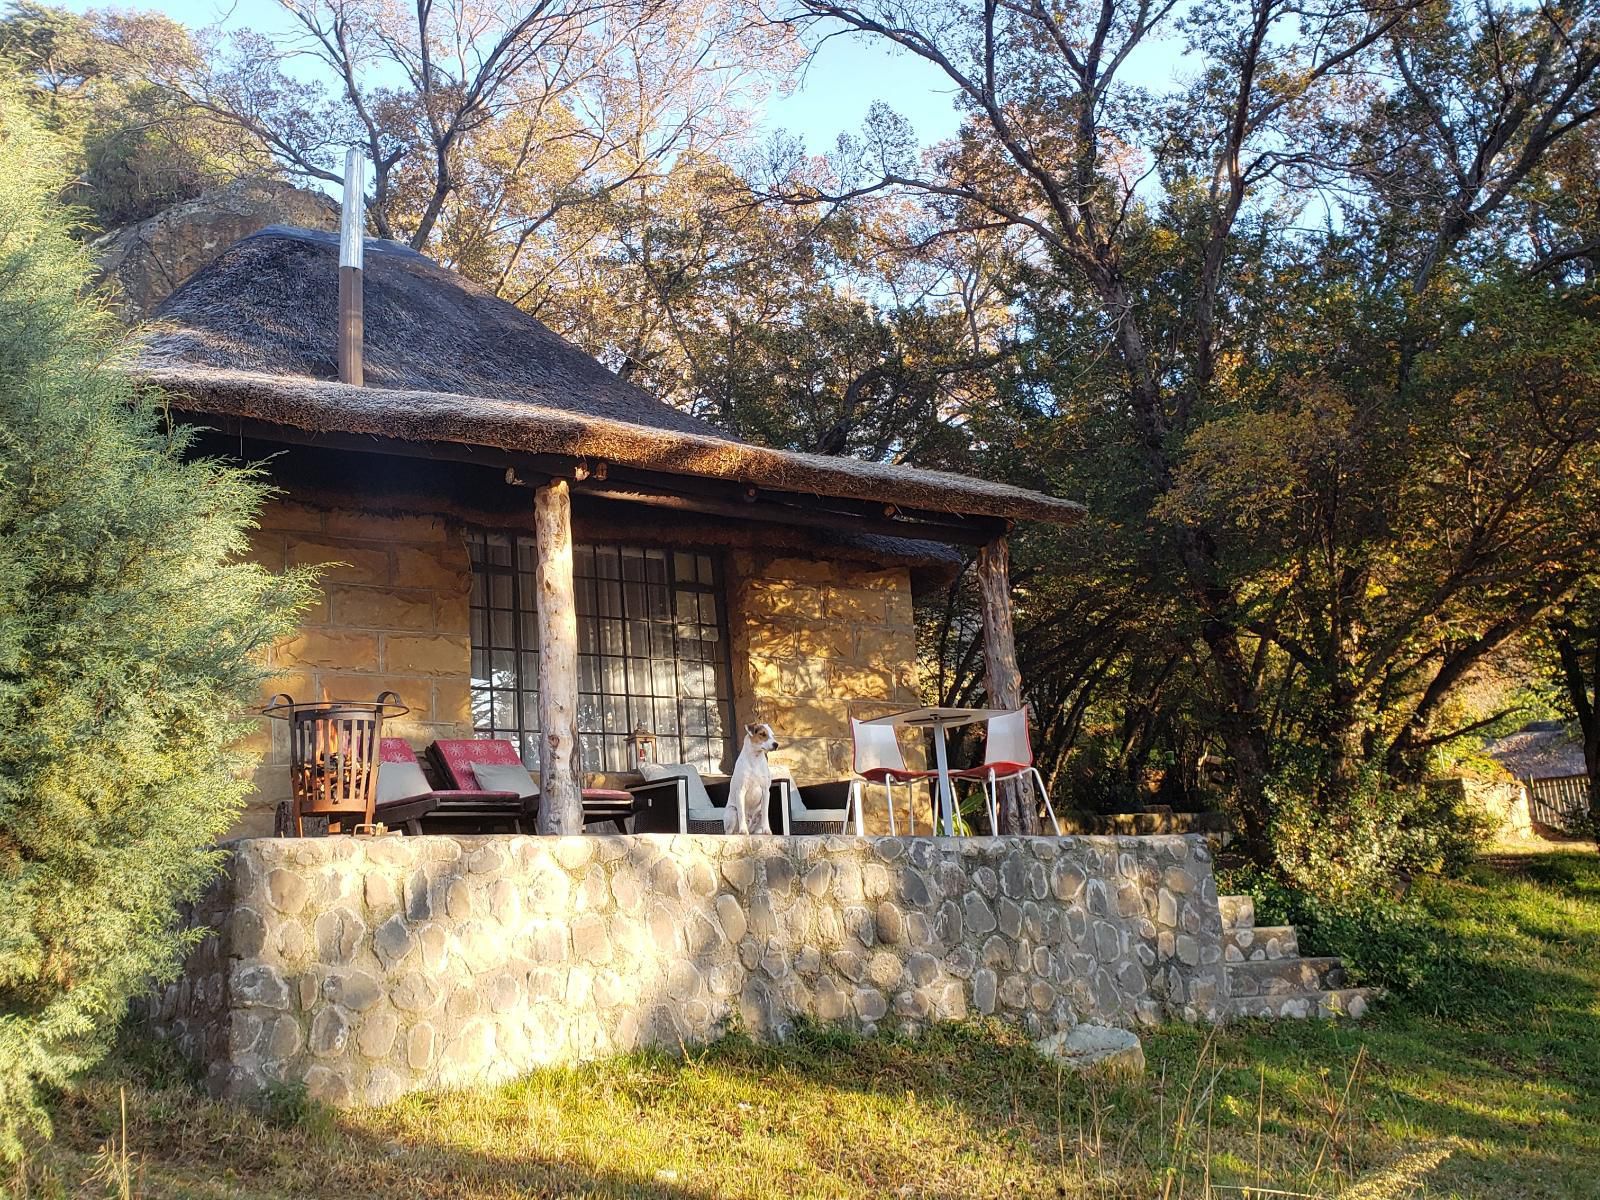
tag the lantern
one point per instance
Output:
(641, 745)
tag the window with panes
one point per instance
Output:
(652, 651)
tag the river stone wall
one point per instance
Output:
(366, 968)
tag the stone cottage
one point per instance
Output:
(715, 582)
(489, 477)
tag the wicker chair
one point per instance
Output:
(819, 808)
(678, 800)
(777, 804)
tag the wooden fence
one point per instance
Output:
(1559, 803)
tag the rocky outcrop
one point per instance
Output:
(148, 260)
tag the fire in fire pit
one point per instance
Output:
(333, 755)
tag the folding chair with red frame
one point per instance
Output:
(456, 758)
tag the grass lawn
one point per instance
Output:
(1485, 1086)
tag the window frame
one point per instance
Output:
(524, 735)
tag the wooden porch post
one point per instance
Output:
(1002, 679)
(560, 769)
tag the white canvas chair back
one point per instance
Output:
(1006, 741)
(877, 749)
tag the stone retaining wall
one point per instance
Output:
(368, 968)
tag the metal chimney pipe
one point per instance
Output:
(352, 240)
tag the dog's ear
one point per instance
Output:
(751, 729)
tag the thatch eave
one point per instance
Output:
(522, 427)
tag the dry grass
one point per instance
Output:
(1500, 1098)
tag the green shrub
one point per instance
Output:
(288, 1105)
(1378, 835)
(1340, 875)
(130, 634)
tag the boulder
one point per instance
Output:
(1100, 1048)
(146, 261)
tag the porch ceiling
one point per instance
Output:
(601, 478)
(539, 438)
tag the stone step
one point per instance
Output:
(1259, 942)
(1238, 912)
(1277, 977)
(1334, 1002)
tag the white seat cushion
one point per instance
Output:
(505, 777)
(699, 803)
(401, 781)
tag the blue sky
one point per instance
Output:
(841, 81)
(847, 76)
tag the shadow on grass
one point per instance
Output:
(825, 1114)
(1500, 1049)
(186, 1147)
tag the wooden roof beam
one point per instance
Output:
(592, 477)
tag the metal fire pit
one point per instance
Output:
(333, 755)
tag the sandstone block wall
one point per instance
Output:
(366, 968)
(393, 616)
(1503, 804)
(813, 642)
(822, 642)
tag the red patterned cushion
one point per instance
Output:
(396, 750)
(456, 756)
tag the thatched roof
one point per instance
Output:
(252, 336)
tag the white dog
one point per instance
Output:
(751, 783)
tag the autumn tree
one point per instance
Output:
(1281, 413)
(136, 145)
(484, 119)
(1574, 640)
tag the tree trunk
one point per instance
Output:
(1583, 690)
(443, 185)
(1239, 725)
(1238, 721)
(1345, 737)
(560, 770)
(1002, 678)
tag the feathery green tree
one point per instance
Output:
(129, 636)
